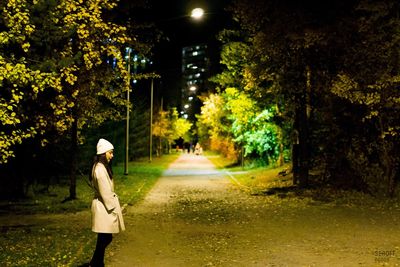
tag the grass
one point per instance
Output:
(266, 181)
(261, 178)
(42, 231)
(219, 161)
(252, 178)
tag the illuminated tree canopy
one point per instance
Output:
(319, 80)
(53, 69)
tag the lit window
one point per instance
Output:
(186, 106)
(190, 98)
(195, 53)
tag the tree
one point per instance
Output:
(371, 79)
(160, 129)
(54, 56)
(169, 127)
(245, 71)
(285, 39)
(332, 68)
(179, 127)
(215, 126)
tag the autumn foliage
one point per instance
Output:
(50, 54)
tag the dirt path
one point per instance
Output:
(194, 216)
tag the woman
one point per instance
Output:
(106, 210)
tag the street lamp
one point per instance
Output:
(197, 13)
(129, 50)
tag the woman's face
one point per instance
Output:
(109, 155)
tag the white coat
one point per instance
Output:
(106, 209)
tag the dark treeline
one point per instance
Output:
(333, 70)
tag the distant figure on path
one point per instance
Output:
(106, 210)
(198, 149)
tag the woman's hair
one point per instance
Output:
(102, 159)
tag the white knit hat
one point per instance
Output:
(103, 146)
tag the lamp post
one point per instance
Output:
(151, 120)
(197, 14)
(127, 113)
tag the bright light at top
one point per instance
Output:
(197, 13)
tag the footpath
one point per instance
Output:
(195, 216)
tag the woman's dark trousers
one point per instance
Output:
(103, 240)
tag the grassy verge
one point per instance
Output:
(262, 178)
(45, 232)
(266, 181)
(254, 179)
(219, 161)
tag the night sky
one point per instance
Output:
(180, 31)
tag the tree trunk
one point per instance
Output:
(302, 153)
(74, 153)
(295, 163)
(303, 137)
(389, 168)
(280, 160)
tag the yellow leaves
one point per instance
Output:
(82, 31)
(22, 82)
(249, 79)
(241, 105)
(68, 74)
(4, 38)
(75, 93)
(348, 88)
(8, 140)
(17, 20)
(89, 40)
(17, 97)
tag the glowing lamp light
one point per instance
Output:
(197, 13)
(192, 88)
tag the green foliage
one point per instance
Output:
(262, 140)
(248, 126)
